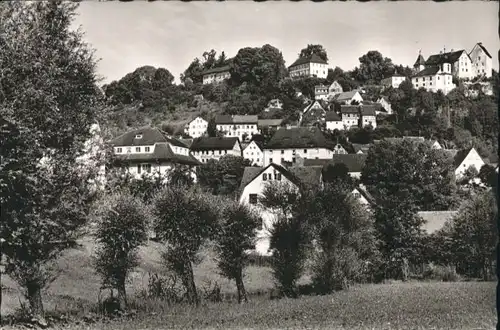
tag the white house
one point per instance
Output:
(353, 162)
(147, 150)
(216, 75)
(348, 97)
(393, 81)
(269, 123)
(434, 78)
(254, 182)
(334, 89)
(333, 121)
(287, 145)
(312, 114)
(196, 127)
(206, 148)
(363, 196)
(384, 103)
(481, 61)
(242, 127)
(320, 92)
(309, 66)
(466, 158)
(461, 64)
(253, 152)
(358, 116)
(339, 149)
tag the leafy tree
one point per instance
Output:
(162, 79)
(344, 236)
(212, 128)
(474, 236)
(121, 230)
(337, 173)
(49, 100)
(410, 172)
(184, 220)
(194, 72)
(236, 236)
(488, 175)
(374, 67)
(181, 175)
(314, 49)
(223, 177)
(335, 74)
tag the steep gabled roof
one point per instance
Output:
(344, 96)
(351, 109)
(450, 57)
(214, 143)
(299, 137)
(354, 162)
(257, 143)
(480, 44)
(236, 119)
(162, 152)
(429, 71)
(308, 59)
(332, 116)
(309, 107)
(362, 190)
(460, 156)
(420, 60)
(219, 69)
(150, 136)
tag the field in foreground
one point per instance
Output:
(413, 305)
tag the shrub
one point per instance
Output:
(442, 273)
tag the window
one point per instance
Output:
(264, 177)
(146, 167)
(220, 152)
(252, 198)
(278, 176)
(282, 160)
(138, 136)
(225, 151)
(119, 150)
(270, 176)
(305, 151)
(139, 169)
(282, 152)
(146, 149)
(137, 149)
(293, 160)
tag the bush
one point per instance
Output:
(441, 273)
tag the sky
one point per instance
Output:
(171, 34)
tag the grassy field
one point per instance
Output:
(414, 305)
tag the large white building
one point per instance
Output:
(461, 64)
(309, 66)
(242, 127)
(434, 74)
(206, 148)
(287, 145)
(481, 61)
(216, 75)
(148, 151)
(196, 127)
(253, 152)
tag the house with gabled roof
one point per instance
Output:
(385, 104)
(333, 121)
(148, 150)
(313, 114)
(393, 81)
(334, 89)
(241, 126)
(321, 92)
(361, 148)
(363, 196)
(216, 75)
(348, 97)
(466, 158)
(436, 73)
(353, 162)
(481, 61)
(206, 148)
(253, 151)
(288, 144)
(309, 66)
(461, 64)
(196, 127)
(358, 115)
(253, 184)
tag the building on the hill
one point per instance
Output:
(254, 182)
(206, 148)
(437, 74)
(334, 89)
(196, 127)
(333, 121)
(348, 98)
(353, 162)
(461, 64)
(287, 145)
(338, 149)
(358, 116)
(253, 152)
(313, 114)
(309, 66)
(147, 151)
(216, 75)
(393, 81)
(321, 92)
(481, 61)
(466, 158)
(269, 124)
(385, 104)
(243, 127)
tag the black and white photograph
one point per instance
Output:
(249, 165)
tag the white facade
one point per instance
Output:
(481, 61)
(361, 199)
(216, 77)
(253, 191)
(290, 155)
(196, 128)
(320, 92)
(348, 98)
(350, 120)
(369, 120)
(334, 124)
(436, 145)
(393, 81)
(334, 89)
(253, 153)
(309, 70)
(472, 159)
(205, 155)
(385, 104)
(238, 130)
(462, 68)
(439, 79)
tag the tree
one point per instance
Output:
(223, 176)
(337, 173)
(121, 230)
(235, 237)
(474, 236)
(212, 128)
(184, 220)
(488, 175)
(314, 49)
(162, 79)
(49, 100)
(181, 175)
(344, 236)
(374, 67)
(412, 172)
(194, 72)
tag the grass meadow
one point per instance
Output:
(395, 305)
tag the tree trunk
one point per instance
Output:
(242, 294)
(34, 295)
(122, 295)
(192, 294)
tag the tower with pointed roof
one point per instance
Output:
(419, 63)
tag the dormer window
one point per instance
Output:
(138, 136)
